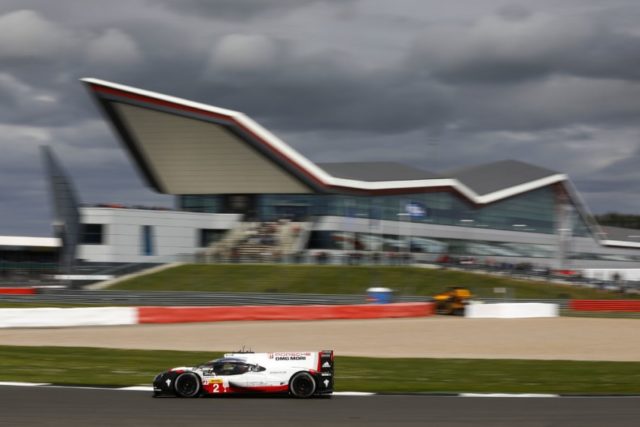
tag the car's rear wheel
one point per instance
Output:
(302, 385)
(187, 384)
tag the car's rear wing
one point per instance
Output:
(325, 371)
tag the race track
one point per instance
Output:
(40, 406)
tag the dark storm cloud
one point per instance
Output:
(623, 175)
(516, 45)
(326, 93)
(22, 104)
(552, 103)
(426, 82)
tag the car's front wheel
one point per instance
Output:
(302, 385)
(187, 384)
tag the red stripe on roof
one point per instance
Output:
(117, 92)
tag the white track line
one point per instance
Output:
(22, 384)
(352, 393)
(507, 395)
(136, 388)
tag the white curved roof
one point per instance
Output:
(186, 147)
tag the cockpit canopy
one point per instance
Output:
(230, 366)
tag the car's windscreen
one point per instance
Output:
(230, 367)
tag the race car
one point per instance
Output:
(301, 374)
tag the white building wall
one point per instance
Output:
(174, 233)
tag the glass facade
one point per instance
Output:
(529, 212)
(340, 240)
(579, 227)
(200, 203)
(534, 212)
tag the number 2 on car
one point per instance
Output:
(216, 385)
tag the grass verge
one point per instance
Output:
(112, 367)
(346, 280)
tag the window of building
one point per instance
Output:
(200, 203)
(147, 243)
(207, 236)
(92, 234)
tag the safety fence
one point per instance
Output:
(47, 295)
(184, 298)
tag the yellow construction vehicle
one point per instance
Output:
(452, 301)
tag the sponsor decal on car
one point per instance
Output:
(289, 356)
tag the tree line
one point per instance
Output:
(614, 219)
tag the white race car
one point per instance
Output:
(301, 374)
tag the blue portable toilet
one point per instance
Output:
(379, 295)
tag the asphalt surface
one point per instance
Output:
(48, 406)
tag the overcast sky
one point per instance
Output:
(433, 83)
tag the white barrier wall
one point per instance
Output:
(511, 310)
(171, 233)
(57, 317)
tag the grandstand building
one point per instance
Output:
(230, 176)
(24, 258)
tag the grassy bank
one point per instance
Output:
(346, 280)
(92, 366)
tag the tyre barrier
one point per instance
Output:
(98, 316)
(605, 305)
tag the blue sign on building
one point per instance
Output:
(416, 210)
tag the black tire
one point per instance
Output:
(187, 384)
(302, 385)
